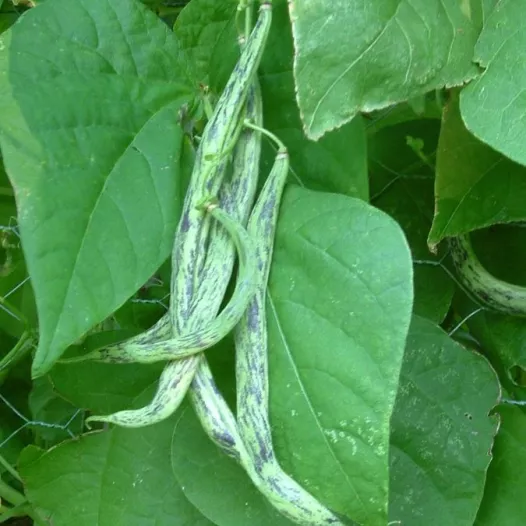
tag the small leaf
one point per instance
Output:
(97, 183)
(442, 433)
(339, 305)
(475, 185)
(503, 501)
(120, 477)
(356, 56)
(494, 106)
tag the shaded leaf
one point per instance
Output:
(503, 501)
(396, 50)
(97, 183)
(402, 180)
(494, 105)
(441, 430)
(475, 185)
(339, 304)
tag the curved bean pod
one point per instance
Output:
(173, 385)
(284, 493)
(214, 331)
(487, 289)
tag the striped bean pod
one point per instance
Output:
(172, 388)
(189, 252)
(213, 331)
(250, 441)
(236, 197)
(492, 292)
(190, 246)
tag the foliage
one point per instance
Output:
(394, 398)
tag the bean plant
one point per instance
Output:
(261, 262)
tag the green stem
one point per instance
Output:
(7, 191)
(10, 468)
(10, 494)
(14, 311)
(21, 348)
(9, 513)
(248, 18)
(270, 135)
(168, 11)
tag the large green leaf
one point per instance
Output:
(402, 179)
(91, 143)
(475, 185)
(120, 477)
(441, 430)
(493, 106)
(337, 163)
(360, 56)
(503, 501)
(339, 305)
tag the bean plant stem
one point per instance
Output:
(10, 494)
(10, 468)
(270, 135)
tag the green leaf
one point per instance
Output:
(91, 142)
(493, 106)
(339, 305)
(402, 180)
(441, 430)
(503, 501)
(200, 28)
(394, 51)
(215, 483)
(120, 477)
(338, 162)
(475, 185)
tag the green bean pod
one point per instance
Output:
(214, 414)
(189, 252)
(284, 493)
(492, 292)
(172, 388)
(236, 197)
(213, 331)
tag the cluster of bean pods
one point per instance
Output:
(220, 222)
